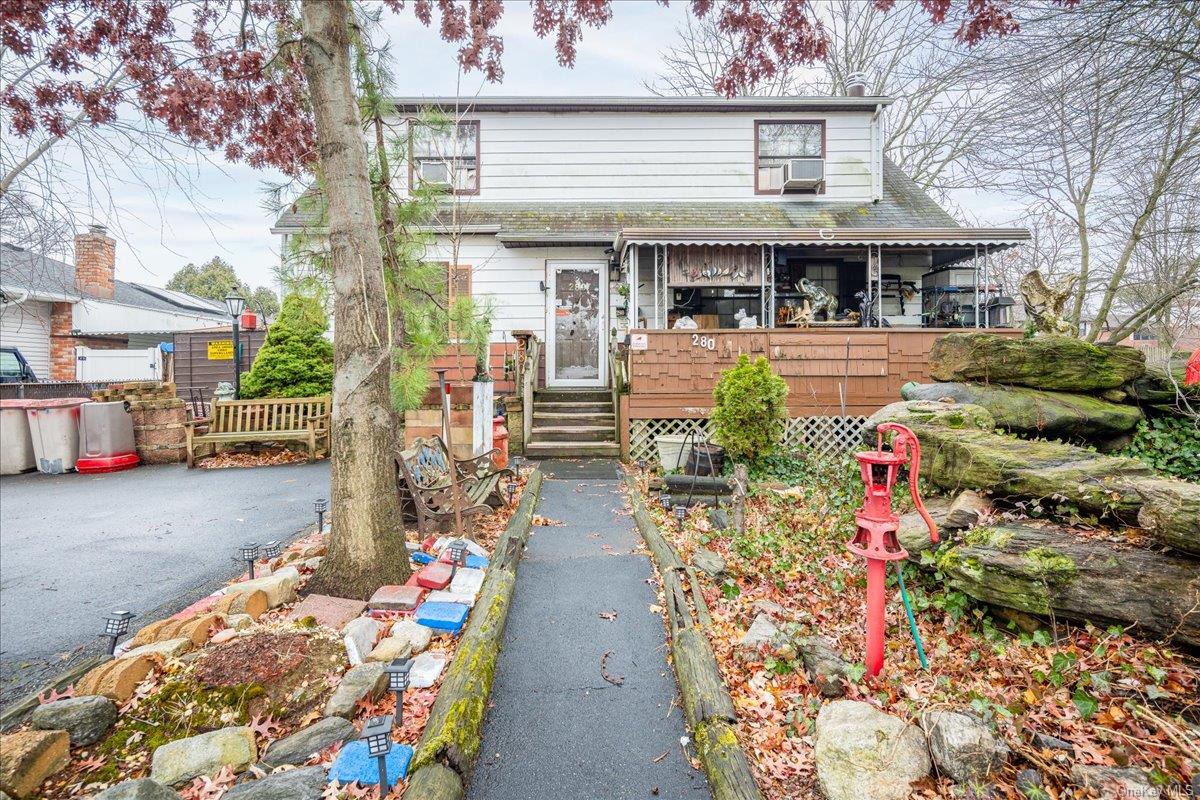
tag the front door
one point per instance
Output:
(575, 324)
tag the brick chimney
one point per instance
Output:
(95, 263)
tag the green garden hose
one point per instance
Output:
(912, 621)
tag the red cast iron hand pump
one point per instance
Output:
(876, 539)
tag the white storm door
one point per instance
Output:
(576, 323)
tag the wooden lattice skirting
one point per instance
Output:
(820, 435)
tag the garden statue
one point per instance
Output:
(818, 298)
(1044, 304)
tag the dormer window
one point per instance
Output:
(789, 157)
(446, 156)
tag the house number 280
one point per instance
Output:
(707, 342)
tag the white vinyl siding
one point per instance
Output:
(607, 156)
(26, 326)
(511, 277)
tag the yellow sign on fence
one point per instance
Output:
(220, 350)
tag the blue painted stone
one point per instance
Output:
(422, 558)
(442, 616)
(354, 764)
(476, 562)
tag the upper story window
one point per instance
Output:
(789, 156)
(446, 156)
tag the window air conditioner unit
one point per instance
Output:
(803, 173)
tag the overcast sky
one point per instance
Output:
(161, 231)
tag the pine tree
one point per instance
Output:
(296, 360)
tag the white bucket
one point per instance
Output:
(670, 451)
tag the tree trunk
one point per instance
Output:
(366, 546)
(1053, 570)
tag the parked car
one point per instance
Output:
(14, 368)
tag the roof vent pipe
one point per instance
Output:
(856, 84)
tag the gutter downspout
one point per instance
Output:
(877, 153)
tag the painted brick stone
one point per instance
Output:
(442, 616)
(354, 764)
(331, 612)
(434, 576)
(396, 598)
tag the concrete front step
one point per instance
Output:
(573, 433)
(572, 449)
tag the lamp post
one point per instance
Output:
(321, 505)
(116, 625)
(235, 304)
(398, 680)
(249, 552)
(378, 735)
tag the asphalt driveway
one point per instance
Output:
(153, 540)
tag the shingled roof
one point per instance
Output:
(903, 205)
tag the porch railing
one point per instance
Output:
(528, 384)
(618, 378)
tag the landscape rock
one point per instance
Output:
(425, 670)
(85, 718)
(194, 628)
(227, 635)
(365, 680)
(864, 754)
(206, 754)
(240, 622)
(360, 636)
(708, 562)
(331, 612)
(1114, 783)
(168, 648)
(389, 650)
(355, 765)
(306, 783)
(1061, 363)
(396, 598)
(824, 664)
(117, 679)
(467, 581)
(965, 510)
(29, 757)
(912, 413)
(279, 586)
(1170, 512)
(414, 634)
(140, 789)
(1034, 412)
(962, 747)
(1048, 742)
(770, 607)
(760, 633)
(305, 743)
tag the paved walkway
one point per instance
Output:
(153, 539)
(557, 728)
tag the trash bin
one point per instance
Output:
(106, 438)
(54, 428)
(16, 445)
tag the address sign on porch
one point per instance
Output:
(715, 265)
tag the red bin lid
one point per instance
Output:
(56, 402)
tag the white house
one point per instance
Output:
(710, 213)
(49, 308)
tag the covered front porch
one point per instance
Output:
(814, 278)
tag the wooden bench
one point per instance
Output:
(426, 495)
(275, 419)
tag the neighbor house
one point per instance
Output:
(654, 239)
(56, 312)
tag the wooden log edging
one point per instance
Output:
(449, 746)
(706, 703)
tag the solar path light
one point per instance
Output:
(271, 549)
(681, 513)
(249, 552)
(398, 680)
(458, 556)
(320, 506)
(378, 735)
(116, 625)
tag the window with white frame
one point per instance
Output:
(446, 156)
(777, 143)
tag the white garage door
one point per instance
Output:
(26, 326)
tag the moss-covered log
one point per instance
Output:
(704, 696)
(434, 782)
(725, 764)
(1171, 513)
(1019, 409)
(1044, 362)
(1008, 467)
(1052, 570)
(453, 733)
